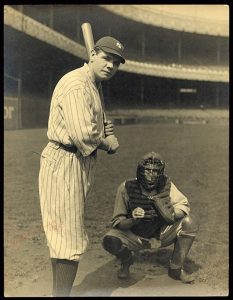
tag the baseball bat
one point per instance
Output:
(89, 44)
(88, 38)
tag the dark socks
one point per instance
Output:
(64, 273)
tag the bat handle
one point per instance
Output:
(104, 117)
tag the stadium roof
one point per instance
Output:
(202, 19)
(33, 28)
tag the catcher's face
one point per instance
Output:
(148, 173)
(150, 177)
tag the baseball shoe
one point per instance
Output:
(123, 272)
(180, 274)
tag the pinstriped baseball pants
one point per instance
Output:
(65, 180)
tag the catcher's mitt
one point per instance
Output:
(162, 202)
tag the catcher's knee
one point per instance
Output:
(189, 225)
(112, 244)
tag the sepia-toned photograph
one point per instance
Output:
(116, 150)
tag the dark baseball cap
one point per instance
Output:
(111, 45)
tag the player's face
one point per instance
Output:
(104, 65)
(150, 175)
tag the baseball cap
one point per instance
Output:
(111, 45)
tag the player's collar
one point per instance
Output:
(89, 73)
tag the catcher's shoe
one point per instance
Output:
(123, 272)
(180, 274)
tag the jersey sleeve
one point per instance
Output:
(81, 121)
(121, 205)
(179, 200)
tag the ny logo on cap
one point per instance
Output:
(118, 45)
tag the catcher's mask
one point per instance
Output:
(149, 171)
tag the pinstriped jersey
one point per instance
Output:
(76, 115)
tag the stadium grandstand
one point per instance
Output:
(177, 56)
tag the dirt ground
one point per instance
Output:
(97, 277)
(197, 160)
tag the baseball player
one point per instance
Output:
(150, 212)
(75, 132)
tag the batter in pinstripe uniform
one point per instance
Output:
(150, 212)
(75, 132)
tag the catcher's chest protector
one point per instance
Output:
(136, 198)
(146, 228)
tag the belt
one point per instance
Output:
(72, 149)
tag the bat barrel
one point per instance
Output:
(88, 38)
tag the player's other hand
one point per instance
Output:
(108, 128)
(113, 144)
(138, 213)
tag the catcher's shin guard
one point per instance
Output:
(181, 249)
(114, 246)
(64, 272)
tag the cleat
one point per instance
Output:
(180, 274)
(123, 272)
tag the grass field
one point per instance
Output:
(197, 159)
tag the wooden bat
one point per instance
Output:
(88, 38)
(89, 44)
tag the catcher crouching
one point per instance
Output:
(150, 212)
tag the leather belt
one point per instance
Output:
(72, 149)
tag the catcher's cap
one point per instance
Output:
(111, 45)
